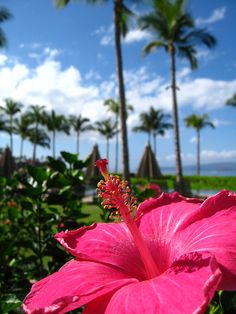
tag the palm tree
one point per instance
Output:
(5, 15)
(154, 122)
(56, 123)
(23, 129)
(80, 125)
(11, 109)
(36, 115)
(38, 137)
(107, 129)
(121, 13)
(159, 124)
(198, 123)
(2, 124)
(231, 101)
(145, 125)
(175, 31)
(113, 106)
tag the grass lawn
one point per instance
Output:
(94, 212)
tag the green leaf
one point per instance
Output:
(56, 164)
(9, 303)
(64, 189)
(70, 158)
(31, 192)
(13, 213)
(38, 174)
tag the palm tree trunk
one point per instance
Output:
(149, 138)
(34, 152)
(198, 152)
(11, 137)
(179, 173)
(119, 65)
(77, 142)
(35, 143)
(21, 148)
(117, 144)
(107, 153)
(53, 144)
(154, 144)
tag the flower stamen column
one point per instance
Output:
(116, 194)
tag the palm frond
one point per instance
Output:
(152, 46)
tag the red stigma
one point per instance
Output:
(102, 166)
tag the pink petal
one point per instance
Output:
(109, 243)
(159, 219)
(186, 288)
(99, 305)
(75, 284)
(216, 234)
(163, 216)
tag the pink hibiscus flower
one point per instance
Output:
(170, 258)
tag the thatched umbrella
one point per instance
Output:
(92, 170)
(7, 163)
(148, 167)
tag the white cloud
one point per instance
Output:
(218, 122)
(3, 59)
(106, 35)
(211, 155)
(92, 75)
(136, 35)
(217, 15)
(198, 93)
(31, 46)
(193, 139)
(67, 91)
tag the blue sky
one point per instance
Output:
(64, 59)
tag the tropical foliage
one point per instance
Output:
(36, 203)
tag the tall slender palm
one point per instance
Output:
(36, 116)
(121, 13)
(23, 129)
(80, 125)
(175, 31)
(108, 130)
(231, 101)
(5, 15)
(11, 108)
(145, 125)
(198, 123)
(113, 106)
(154, 122)
(159, 124)
(38, 137)
(56, 123)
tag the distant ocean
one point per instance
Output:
(216, 169)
